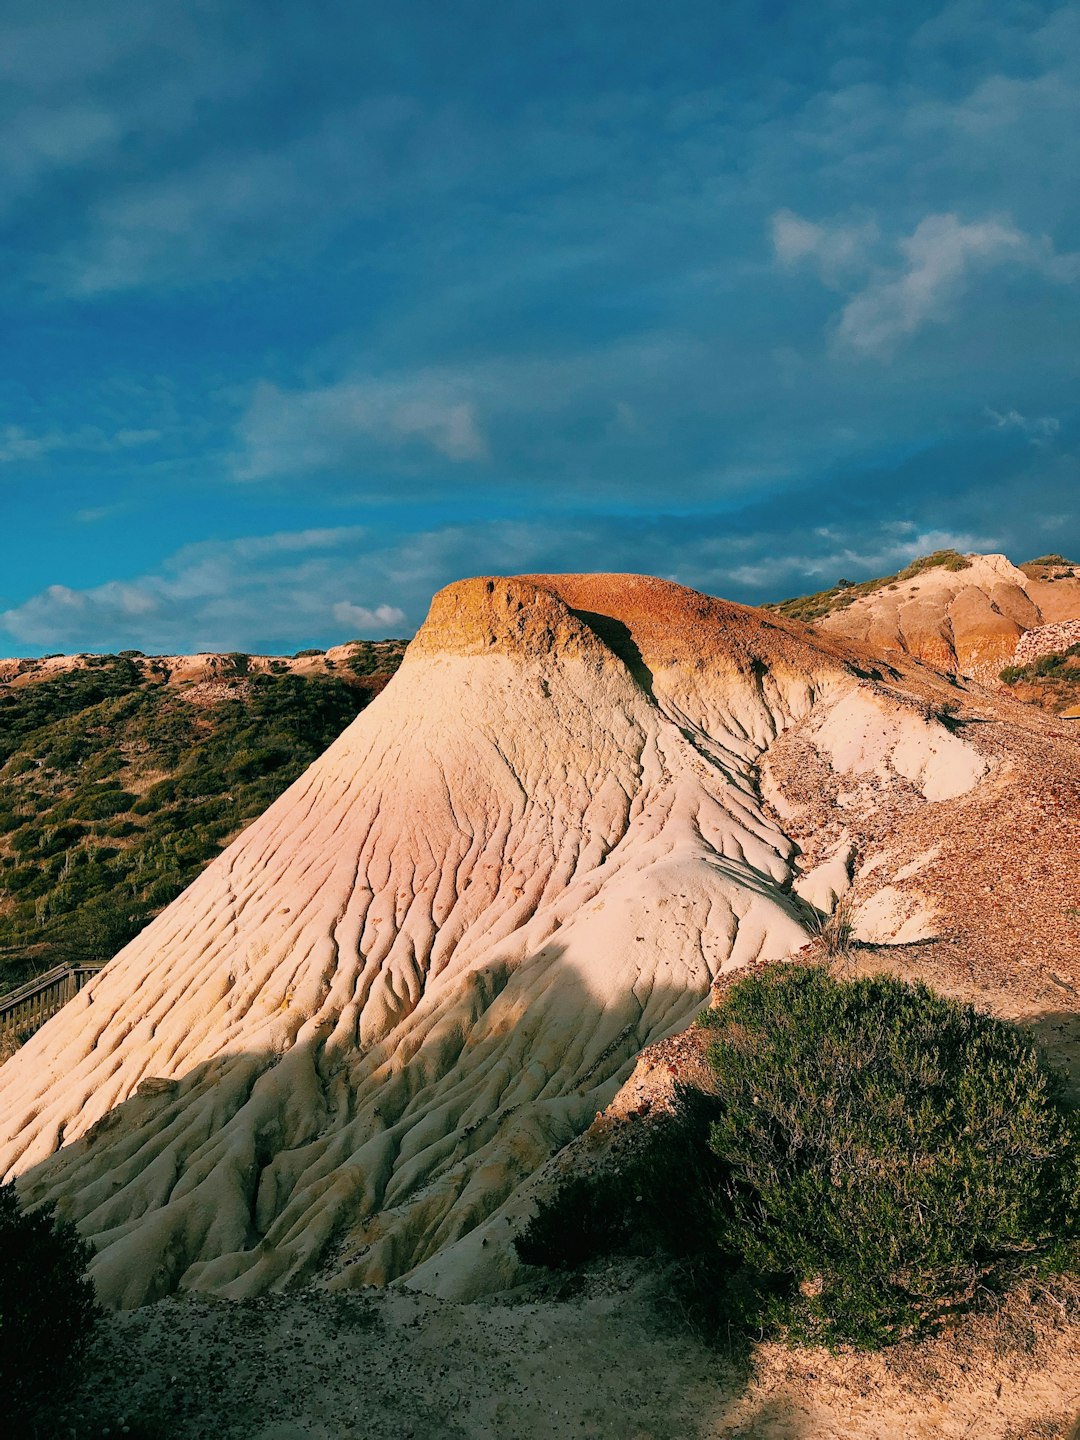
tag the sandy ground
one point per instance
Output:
(592, 1357)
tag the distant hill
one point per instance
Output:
(969, 615)
(811, 608)
(122, 776)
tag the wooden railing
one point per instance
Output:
(22, 1011)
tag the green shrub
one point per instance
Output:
(120, 829)
(155, 798)
(254, 761)
(891, 1153)
(47, 1304)
(164, 890)
(100, 803)
(1055, 667)
(875, 1160)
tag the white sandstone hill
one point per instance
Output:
(343, 1051)
(966, 617)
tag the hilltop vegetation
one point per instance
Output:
(1052, 681)
(809, 608)
(116, 789)
(1049, 567)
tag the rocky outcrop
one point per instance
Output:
(347, 1047)
(963, 621)
(1046, 640)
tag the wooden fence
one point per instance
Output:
(24, 1010)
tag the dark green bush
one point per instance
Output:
(157, 796)
(876, 1159)
(121, 829)
(892, 1154)
(1053, 667)
(99, 803)
(47, 1304)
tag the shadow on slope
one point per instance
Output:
(384, 1366)
(620, 641)
(256, 1172)
(1058, 1034)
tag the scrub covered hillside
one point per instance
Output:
(118, 785)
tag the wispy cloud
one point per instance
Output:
(217, 595)
(294, 432)
(20, 446)
(546, 416)
(1040, 429)
(715, 279)
(835, 250)
(297, 588)
(937, 262)
(360, 617)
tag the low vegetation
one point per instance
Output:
(1051, 681)
(47, 1308)
(1065, 665)
(809, 608)
(1050, 567)
(116, 790)
(875, 1161)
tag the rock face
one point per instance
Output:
(345, 1048)
(1047, 640)
(964, 621)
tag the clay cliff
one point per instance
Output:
(346, 1050)
(964, 616)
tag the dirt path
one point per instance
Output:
(601, 1363)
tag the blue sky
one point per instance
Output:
(312, 308)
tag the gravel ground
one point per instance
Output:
(593, 1357)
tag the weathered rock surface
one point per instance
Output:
(966, 621)
(343, 1052)
(1046, 640)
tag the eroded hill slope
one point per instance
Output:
(341, 1053)
(963, 614)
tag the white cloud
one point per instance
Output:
(290, 432)
(833, 249)
(938, 260)
(362, 618)
(547, 415)
(834, 554)
(1040, 428)
(216, 595)
(20, 446)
